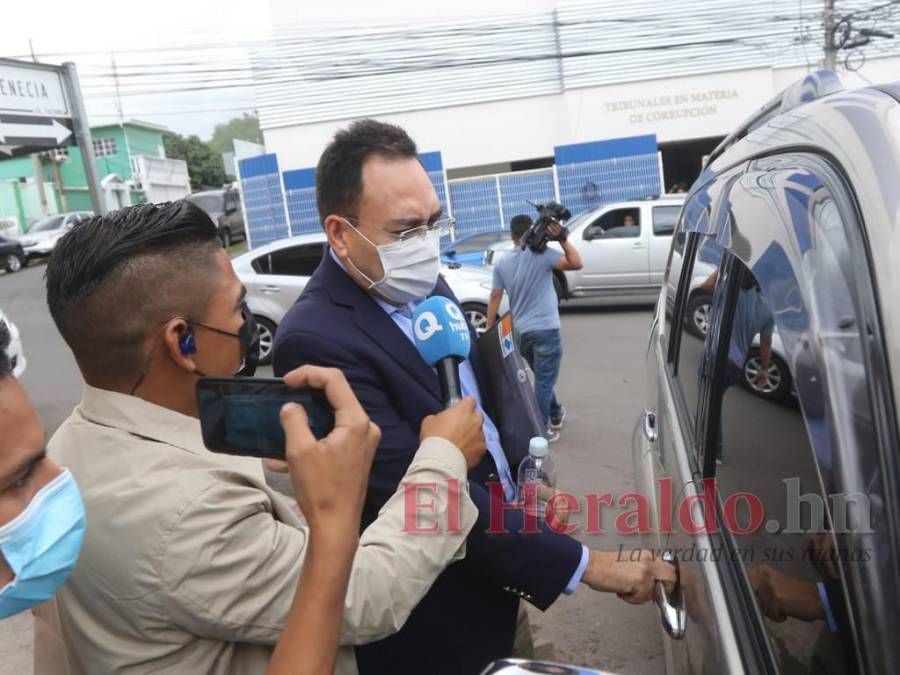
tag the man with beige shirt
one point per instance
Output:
(190, 561)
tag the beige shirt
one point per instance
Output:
(190, 561)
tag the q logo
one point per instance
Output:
(426, 326)
(454, 311)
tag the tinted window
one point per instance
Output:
(664, 219)
(783, 522)
(299, 261)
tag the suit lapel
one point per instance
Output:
(375, 324)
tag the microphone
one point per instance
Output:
(442, 338)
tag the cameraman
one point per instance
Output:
(528, 278)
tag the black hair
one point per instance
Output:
(339, 172)
(5, 362)
(519, 225)
(112, 278)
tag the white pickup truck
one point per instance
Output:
(624, 246)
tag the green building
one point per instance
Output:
(117, 149)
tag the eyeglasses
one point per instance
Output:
(440, 226)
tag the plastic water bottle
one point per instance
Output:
(537, 478)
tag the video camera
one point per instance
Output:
(551, 213)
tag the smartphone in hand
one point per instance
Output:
(240, 415)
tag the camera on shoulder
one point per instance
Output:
(551, 213)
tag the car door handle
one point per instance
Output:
(672, 613)
(270, 289)
(638, 244)
(648, 425)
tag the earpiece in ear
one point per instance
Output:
(187, 344)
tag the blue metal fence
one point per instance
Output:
(476, 205)
(594, 174)
(434, 165)
(300, 195)
(517, 189)
(263, 199)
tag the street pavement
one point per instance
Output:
(601, 384)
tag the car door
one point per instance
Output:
(615, 253)
(663, 217)
(233, 216)
(281, 275)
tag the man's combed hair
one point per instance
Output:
(111, 279)
(339, 173)
(5, 363)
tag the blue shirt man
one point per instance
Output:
(528, 278)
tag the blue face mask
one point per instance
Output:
(42, 544)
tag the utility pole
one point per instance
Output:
(830, 61)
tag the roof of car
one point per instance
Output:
(299, 240)
(867, 122)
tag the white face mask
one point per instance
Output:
(411, 267)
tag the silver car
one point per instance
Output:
(42, 235)
(624, 247)
(783, 516)
(276, 274)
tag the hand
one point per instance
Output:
(780, 595)
(557, 232)
(629, 574)
(329, 475)
(462, 426)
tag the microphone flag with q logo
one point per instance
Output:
(440, 330)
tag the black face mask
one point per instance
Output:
(248, 335)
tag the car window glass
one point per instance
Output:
(209, 203)
(262, 264)
(47, 224)
(774, 506)
(699, 288)
(480, 242)
(297, 260)
(664, 219)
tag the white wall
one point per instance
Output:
(673, 109)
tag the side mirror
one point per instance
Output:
(489, 257)
(450, 253)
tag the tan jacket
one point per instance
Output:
(190, 561)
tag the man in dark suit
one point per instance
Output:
(383, 220)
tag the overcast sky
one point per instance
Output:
(163, 49)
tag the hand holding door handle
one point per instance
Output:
(671, 605)
(631, 575)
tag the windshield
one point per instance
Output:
(47, 224)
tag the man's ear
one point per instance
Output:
(337, 231)
(174, 336)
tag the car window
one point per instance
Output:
(47, 224)
(296, 261)
(615, 224)
(664, 219)
(480, 242)
(778, 516)
(698, 288)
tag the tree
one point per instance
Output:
(245, 128)
(204, 166)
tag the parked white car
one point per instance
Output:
(41, 238)
(15, 352)
(276, 274)
(622, 257)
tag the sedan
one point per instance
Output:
(276, 274)
(41, 238)
(12, 255)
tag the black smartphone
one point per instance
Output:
(240, 415)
